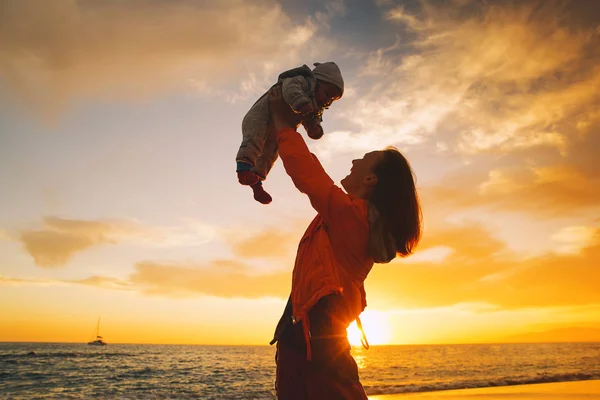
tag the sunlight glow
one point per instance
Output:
(376, 326)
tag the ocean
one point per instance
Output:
(131, 371)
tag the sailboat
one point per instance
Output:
(99, 340)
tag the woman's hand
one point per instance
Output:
(281, 113)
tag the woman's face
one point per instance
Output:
(362, 173)
(326, 94)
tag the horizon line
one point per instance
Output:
(353, 346)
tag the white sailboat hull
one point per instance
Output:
(99, 341)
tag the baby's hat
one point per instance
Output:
(329, 72)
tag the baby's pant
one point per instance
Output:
(259, 141)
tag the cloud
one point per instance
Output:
(561, 189)
(96, 281)
(60, 238)
(461, 264)
(472, 241)
(503, 91)
(477, 77)
(399, 14)
(219, 278)
(435, 254)
(105, 282)
(480, 270)
(52, 53)
(269, 243)
(333, 8)
(7, 281)
(573, 239)
(51, 249)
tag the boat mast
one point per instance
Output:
(98, 328)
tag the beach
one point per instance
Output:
(543, 391)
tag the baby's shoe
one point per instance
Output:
(260, 195)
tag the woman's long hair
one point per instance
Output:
(396, 199)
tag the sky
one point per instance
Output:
(120, 122)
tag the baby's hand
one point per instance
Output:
(305, 109)
(316, 132)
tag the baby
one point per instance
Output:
(308, 92)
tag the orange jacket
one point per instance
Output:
(333, 254)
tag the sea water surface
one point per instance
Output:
(122, 371)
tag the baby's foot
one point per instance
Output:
(260, 195)
(247, 178)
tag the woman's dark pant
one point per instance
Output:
(332, 372)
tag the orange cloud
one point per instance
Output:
(269, 243)
(219, 278)
(7, 281)
(564, 189)
(211, 279)
(61, 238)
(51, 249)
(474, 267)
(105, 282)
(480, 270)
(96, 281)
(51, 52)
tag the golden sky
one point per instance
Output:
(119, 125)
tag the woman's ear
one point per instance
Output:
(370, 179)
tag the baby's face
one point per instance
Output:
(326, 94)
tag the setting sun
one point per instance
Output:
(376, 327)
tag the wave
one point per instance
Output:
(62, 355)
(473, 384)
